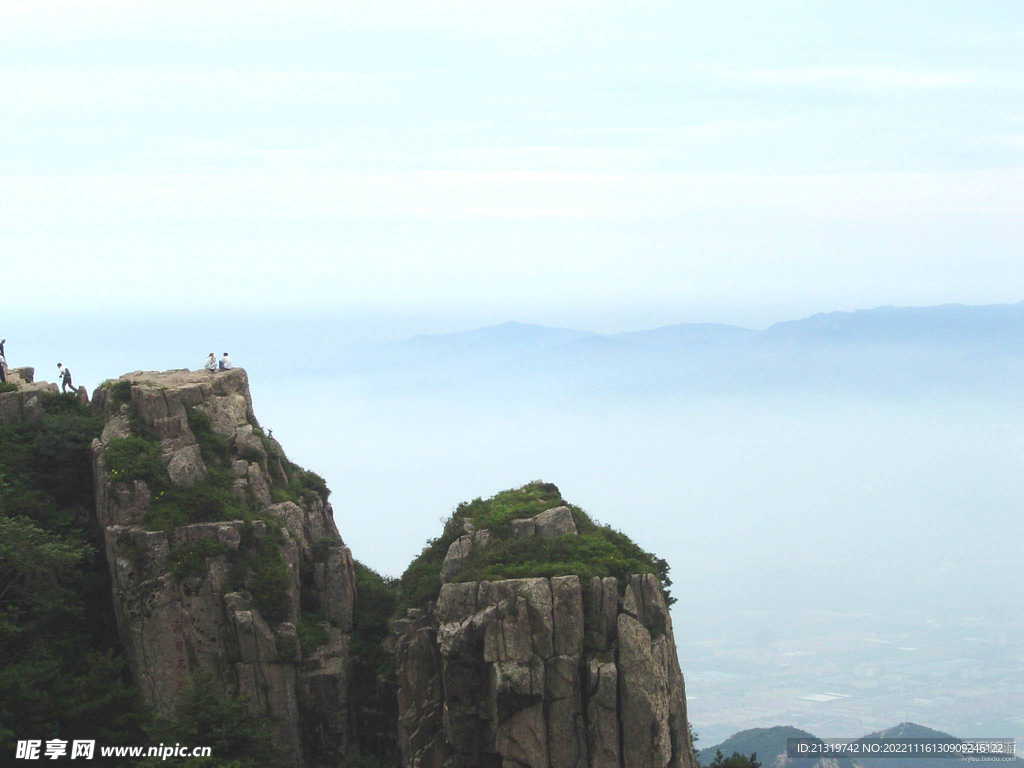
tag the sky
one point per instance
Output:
(590, 164)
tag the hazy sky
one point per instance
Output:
(597, 164)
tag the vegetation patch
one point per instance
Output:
(134, 458)
(215, 448)
(322, 547)
(8, 386)
(211, 498)
(119, 391)
(207, 716)
(586, 555)
(61, 666)
(260, 567)
(373, 714)
(303, 486)
(312, 631)
(496, 513)
(190, 559)
(598, 550)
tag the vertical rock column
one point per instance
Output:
(174, 621)
(542, 673)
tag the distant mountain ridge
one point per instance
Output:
(896, 349)
(770, 746)
(946, 323)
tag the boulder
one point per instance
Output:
(555, 522)
(185, 466)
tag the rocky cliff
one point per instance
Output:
(544, 672)
(525, 636)
(220, 550)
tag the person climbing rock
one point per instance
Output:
(65, 379)
(211, 363)
(225, 362)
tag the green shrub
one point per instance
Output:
(598, 550)
(61, 668)
(208, 716)
(297, 491)
(585, 555)
(190, 559)
(314, 482)
(260, 567)
(120, 391)
(375, 605)
(421, 581)
(312, 631)
(8, 386)
(133, 458)
(322, 546)
(495, 513)
(303, 486)
(372, 714)
(214, 448)
(209, 499)
(249, 453)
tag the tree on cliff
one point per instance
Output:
(61, 669)
(211, 718)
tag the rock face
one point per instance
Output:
(542, 673)
(24, 404)
(182, 601)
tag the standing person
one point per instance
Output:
(65, 379)
(225, 362)
(3, 363)
(211, 363)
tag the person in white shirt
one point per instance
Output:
(65, 379)
(211, 363)
(225, 362)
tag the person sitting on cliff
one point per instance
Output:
(211, 363)
(65, 379)
(225, 362)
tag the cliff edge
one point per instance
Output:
(221, 552)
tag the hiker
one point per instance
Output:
(211, 363)
(3, 363)
(225, 362)
(65, 379)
